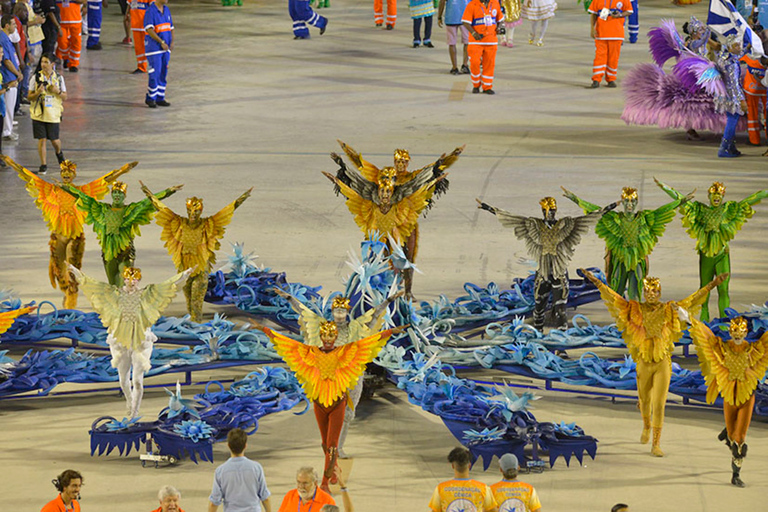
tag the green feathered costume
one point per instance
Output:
(713, 226)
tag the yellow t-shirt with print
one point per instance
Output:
(459, 495)
(514, 496)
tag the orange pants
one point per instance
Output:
(330, 420)
(737, 419)
(606, 60)
(137, 29)
(69, 43)
(378, 12)
(482, 55)
(755, 105)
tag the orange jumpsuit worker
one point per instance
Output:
(482, 17)
(71, 38)
(607, 18)
(138, 9)
(754, 93)
(378, 13)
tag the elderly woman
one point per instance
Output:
(169, 498)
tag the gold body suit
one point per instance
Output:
(192, 242)
(65, 220)
(650, 330)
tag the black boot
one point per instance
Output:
(723, 436)
(60, 157)
(736, 468)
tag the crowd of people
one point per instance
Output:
(39, 36)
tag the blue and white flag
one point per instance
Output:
(725, 20)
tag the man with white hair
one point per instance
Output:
(169, 498)
(307, 495)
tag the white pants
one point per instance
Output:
(10, 106)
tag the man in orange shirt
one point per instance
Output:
(307, 495)
(607, 18)
(169, 499)
(137, 9)
(68, 484)
(754, 93)
(510, 493)
(481, 18)
(462, 493)
(70, 38)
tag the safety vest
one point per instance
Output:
(753, 76)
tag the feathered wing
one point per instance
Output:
(527, 229)
(309, 322)
(665, 43)
(8, 317)
(300, 358)
(172, 234)
(352, 359)
(407, 210)
(698, 73)
(758, 361)
(369, 171)
(104, 297)
(361, 326)
(352, 179)
(431, 172)
(693, 302)
(711, 359)
(363, 210)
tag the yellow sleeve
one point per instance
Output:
(489, 503)
(435, 503)
(533, 503)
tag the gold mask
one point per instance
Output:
(194, 205)
(328, 330)
(739, 328)
(628, 193)
(717, 188)
(548, 203)
(132, 274)
(340, 302)
(651, 285)
(119, 186)
(68, 168)
(402, 155)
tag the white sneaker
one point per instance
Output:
(12, 137)
(15, 123)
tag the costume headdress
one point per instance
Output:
(340, 302)
(651, 284)
(739, 327)
(387, 178)
(717, 188)
(695, 25)
(732, 39)
(132, 273)
(548, 203)
(194, 205)
(119, 186)
(328, 330)
(402, 155)
(69, 167)
(628, 193)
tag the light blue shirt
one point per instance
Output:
(454, 10)
(239, 483)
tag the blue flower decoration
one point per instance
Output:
(484, 436)
(124, 424)
(194, 430)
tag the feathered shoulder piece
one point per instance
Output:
(664, 43)
(699, 74)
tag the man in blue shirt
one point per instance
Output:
(158, 43)
(10, 72)
(453, 10)
(239, 483)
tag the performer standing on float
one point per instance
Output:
(348, 330)
(552, 242)
(713, 226)
(192, 242)
(650, 330)
(390, 200)
(116, 225)
(327, 373)
(129, 312)
(732, 368)
(630, 237)
(65, 220)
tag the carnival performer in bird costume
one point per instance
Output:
(348, 330)
(327, 372)
(390, 200)
(732, 368)
(653, 97)
(65, 220)
(713, 226)
(650, 330)
(630, 237)
(8, 317)
(552, 242)
(116, 225)
(193, 241)
(129, 312)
